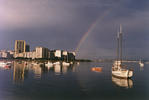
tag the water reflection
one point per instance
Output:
(37, 70)
(19, 71)
(57, 69)
(126, 83)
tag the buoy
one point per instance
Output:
(97, 69)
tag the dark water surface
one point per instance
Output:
(76, 82)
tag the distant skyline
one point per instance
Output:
(61, 24)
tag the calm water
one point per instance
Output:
(77, 82)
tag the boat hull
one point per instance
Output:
(65, 64)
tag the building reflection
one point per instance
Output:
(37, 71)
(59, 69)
(126, 83)
(64, 69)
(19, 71)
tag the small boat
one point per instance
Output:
(57, 63)
(118, 69)
(78, 63)
(49, 64)
(71, 62)
(65, 64)
(96, 69)
(141, 63)
(5, 65)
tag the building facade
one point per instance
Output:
(20, 46)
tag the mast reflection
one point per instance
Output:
(125, 83)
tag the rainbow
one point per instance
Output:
(90, 29)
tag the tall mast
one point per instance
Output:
(121, 38)
(118, 46)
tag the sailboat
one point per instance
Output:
(141, 63)
(118, 69)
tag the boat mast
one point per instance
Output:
(121, 37)
(118, 46)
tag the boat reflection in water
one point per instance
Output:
(125, 83)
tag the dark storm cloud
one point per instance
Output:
(60, 24)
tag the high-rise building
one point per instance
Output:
(20, 46)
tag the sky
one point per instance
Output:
(61, 24)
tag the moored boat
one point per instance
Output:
(5, 65)
(49, 64)
(141, 63)
(96, 69)
(118, 69)
(120, 72)
(65, 63)
(57, 63)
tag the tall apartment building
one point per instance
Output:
(20, 46)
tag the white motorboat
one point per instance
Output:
(57, 63)
(78, 63)
(118, 69)
(71, 62)
(3, 64)
(49, 64)
(65, 64)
